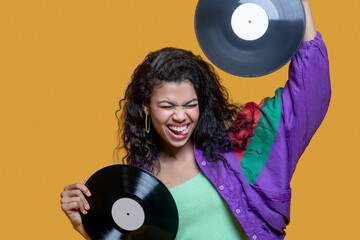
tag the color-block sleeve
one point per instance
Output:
(288, 120)
(284, 129)
(305, 98)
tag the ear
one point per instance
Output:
(146, 109)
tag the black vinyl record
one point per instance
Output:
(128, 202)
(249, 38)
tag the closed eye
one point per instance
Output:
(190, 106)
(167, 107)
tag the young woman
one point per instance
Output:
(228, 168)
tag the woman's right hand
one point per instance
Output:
(72, 202)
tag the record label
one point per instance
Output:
(249, 21)
(128, 214)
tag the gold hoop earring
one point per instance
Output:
(147, 123)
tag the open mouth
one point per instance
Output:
(179, 132)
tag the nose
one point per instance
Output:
(179, 114)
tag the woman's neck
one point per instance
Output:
(176, 165)
(176, 159)
(170, 153)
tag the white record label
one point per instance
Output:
(128, 214)
(249, 21)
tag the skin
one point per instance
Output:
(310, 30)
(177, 158)
(73, 201)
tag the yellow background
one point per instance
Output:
(65, 64)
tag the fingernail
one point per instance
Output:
(88, 193)
(87, 207)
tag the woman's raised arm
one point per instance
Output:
(310, 30)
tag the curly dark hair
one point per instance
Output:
(218, 121)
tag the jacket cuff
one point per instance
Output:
(315, 42)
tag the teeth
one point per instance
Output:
(178, 129)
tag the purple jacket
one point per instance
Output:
(257, 188)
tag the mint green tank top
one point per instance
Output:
(203, 214)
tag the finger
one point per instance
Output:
(73, 194)
(70, 206)
(79, 186)
(74, 203)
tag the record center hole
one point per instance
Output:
(128, 214)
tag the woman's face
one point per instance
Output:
(174, 112)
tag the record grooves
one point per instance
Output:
(128, 202)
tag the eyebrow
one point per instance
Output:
(171, 103)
